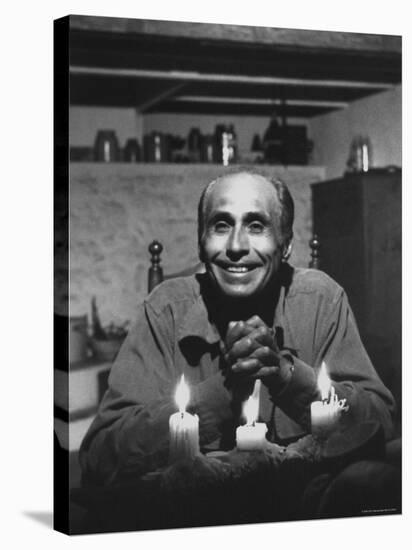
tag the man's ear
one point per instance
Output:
(287, 249)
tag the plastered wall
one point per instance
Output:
(116, 210)
(378, 116)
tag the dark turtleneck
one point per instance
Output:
(223, 309)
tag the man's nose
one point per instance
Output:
(237, 244)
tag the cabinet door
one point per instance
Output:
(338, 222)
(358, 221)
(383, 243)
(383, 268)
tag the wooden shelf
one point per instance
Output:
(181, 168)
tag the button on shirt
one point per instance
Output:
(174, 334)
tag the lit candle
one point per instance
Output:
(325, 414)
(251, 436)
(183, 427)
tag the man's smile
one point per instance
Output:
(237, 268)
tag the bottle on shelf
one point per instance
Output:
(226, 148)
(360, 155)
(156, 147)
(194, 144)
(131, 151)
(106, 146)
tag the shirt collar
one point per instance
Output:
(197, 324)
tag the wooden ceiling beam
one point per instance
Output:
(288, 38)
(250, 79)
(262, 101)
(291, 111)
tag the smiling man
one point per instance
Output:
(249, 316)
(241, 240)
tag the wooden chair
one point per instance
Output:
(156, 276)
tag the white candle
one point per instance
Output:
(252, 436)
(325, 414)
(322, 418)
(183, 428)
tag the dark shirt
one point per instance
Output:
(175, 333)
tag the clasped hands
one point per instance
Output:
(250, 352)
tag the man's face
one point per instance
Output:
(242, 244)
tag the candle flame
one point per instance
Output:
(182, 395)
(251, 406)
(324, 383)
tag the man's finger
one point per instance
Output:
(236, 330)
(267, 356)
(265, 372)
(246, 345)
(263, 335)
(246, 366)
(255, 322)
(242, 348)
(254, 369)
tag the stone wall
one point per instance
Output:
(116, 210)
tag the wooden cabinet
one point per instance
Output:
(358, 222)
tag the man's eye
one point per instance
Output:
(256, 227)
(221, 227)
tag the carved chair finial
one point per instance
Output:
(155, 270)
(315, 255)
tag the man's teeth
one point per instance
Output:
(238, 269)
